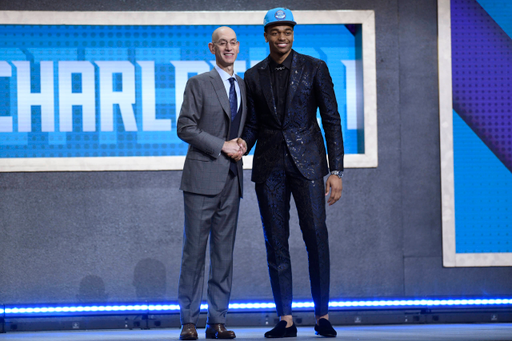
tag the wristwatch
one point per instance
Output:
(338, 173)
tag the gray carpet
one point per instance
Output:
(462, 332)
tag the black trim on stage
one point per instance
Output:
(438, 332)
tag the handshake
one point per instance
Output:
(235, 148)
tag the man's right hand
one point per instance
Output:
(233, 149)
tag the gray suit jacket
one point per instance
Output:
(204, 124)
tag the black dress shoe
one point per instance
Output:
(218, 331)
(188, 332)
(280, 330)
(324, 328)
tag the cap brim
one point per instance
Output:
(282, 22)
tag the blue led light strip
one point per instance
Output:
(422, 303)
(72, 310)
(12, 311)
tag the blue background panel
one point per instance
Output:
(159, 44)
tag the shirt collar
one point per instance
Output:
(287, 62)
(223, 74)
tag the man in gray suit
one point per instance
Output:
(211, 120)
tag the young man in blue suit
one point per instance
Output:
(284, 92)
(211, 120)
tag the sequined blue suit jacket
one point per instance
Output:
(310, 88)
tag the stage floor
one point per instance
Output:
(439, 332)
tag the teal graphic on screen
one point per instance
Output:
(116, 91)
(483, 195)
(482, 123)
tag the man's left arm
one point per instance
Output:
(250, 132)
(331, 123)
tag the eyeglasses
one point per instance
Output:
(224, 43)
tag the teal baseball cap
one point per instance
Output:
(278, 16)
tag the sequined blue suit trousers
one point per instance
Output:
(274, 202)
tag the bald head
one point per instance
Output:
(221, 31)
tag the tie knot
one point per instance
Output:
(232, 80)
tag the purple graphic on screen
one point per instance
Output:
(482, 76)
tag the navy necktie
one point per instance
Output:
(232, 98)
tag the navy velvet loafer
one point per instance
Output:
(280, 330)
(324, 328)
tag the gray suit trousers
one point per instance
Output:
(213, 216)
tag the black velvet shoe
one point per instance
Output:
(280, 330)
(324, 328)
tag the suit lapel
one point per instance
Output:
(295, 76)
(266, 86)
(220, 90)
(243, 112)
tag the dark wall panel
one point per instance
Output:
(420, 129)
(116, 236)
(425, 276)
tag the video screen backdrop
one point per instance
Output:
(114, 92)
(481, 113)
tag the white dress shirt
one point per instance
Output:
(225, 80)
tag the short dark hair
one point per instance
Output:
(268, 27)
